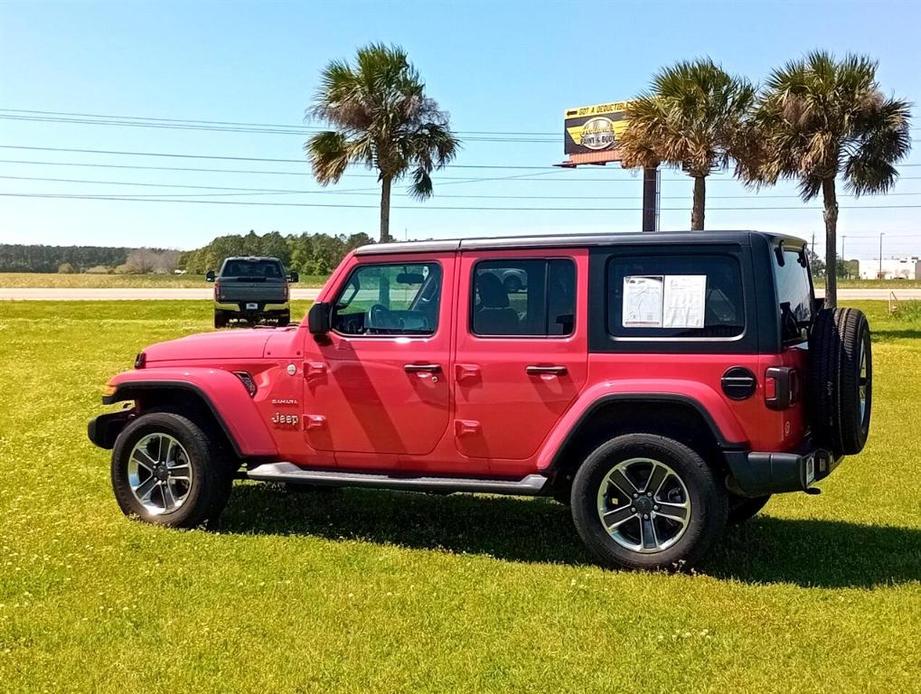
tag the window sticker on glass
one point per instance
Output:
(685, 299)
(642, 306)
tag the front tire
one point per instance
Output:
(167, 471)
(642, 501)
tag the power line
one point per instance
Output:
(524, 177)
(235, 158)
(69, 196)
(237, 190)
(294, 130)
(281, 128)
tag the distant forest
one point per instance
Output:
(309, 254)
(36, 258)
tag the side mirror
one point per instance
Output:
(293, 276)
(209, 276)
(318, 318)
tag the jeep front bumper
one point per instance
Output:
(757, 473)
(104, 429)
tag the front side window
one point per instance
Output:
(389, 299)
(529, 297)
(684, 297)
(794, 293)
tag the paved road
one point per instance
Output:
(125, 294)
(48, 294)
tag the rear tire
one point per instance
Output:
(284, 319)
(841, 368)
(220, 320)
(666, 518)
(742, 508)
(183, 485)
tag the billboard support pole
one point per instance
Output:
(650, 198)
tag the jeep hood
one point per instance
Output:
(228, 344)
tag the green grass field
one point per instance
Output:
(364, 591)
(85, 281)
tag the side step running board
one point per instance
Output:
(288, 472)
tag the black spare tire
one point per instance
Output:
(841, 369)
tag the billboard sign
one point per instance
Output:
(592, 133)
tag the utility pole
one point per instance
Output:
(881, 235)
(650, 198)
(847, 275)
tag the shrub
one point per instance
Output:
(908, 311)
(66, 269)
(99, 270)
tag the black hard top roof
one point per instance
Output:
(574, 240)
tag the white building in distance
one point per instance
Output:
(904, 268)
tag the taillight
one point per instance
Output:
(217, 291)
(781, 387)
(287, 291)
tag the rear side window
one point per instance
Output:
(528, 297)
(389, 299)
(794, 293)
(253, 269)
(675, 297)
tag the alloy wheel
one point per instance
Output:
(159, 473)
(644, 505)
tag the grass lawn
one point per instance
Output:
(365, 591)
(87, 281)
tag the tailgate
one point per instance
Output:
(247, 290)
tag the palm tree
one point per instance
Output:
(819, 118)
(690, 117)
(381, 119)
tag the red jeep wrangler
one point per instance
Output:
(661, 384)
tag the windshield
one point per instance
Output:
(253, 269)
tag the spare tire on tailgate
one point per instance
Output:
(841, 371)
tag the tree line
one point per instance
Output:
(309, 254)
(100, 259)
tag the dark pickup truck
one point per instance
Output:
(251, 290)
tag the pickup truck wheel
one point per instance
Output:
(166, 470)
(220, 319)
(742, 508)
(284, 320)
(642, 501)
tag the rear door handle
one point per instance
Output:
(416, 368)
(536, 370)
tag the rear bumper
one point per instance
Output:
(760, 473)
(262, 307)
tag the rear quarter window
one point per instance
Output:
(674, 297)
(794, 292)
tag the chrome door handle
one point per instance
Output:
(416, 368)
(535, 370)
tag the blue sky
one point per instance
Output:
(496, 66)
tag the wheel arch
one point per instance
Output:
(674, 416)
(243, 432)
